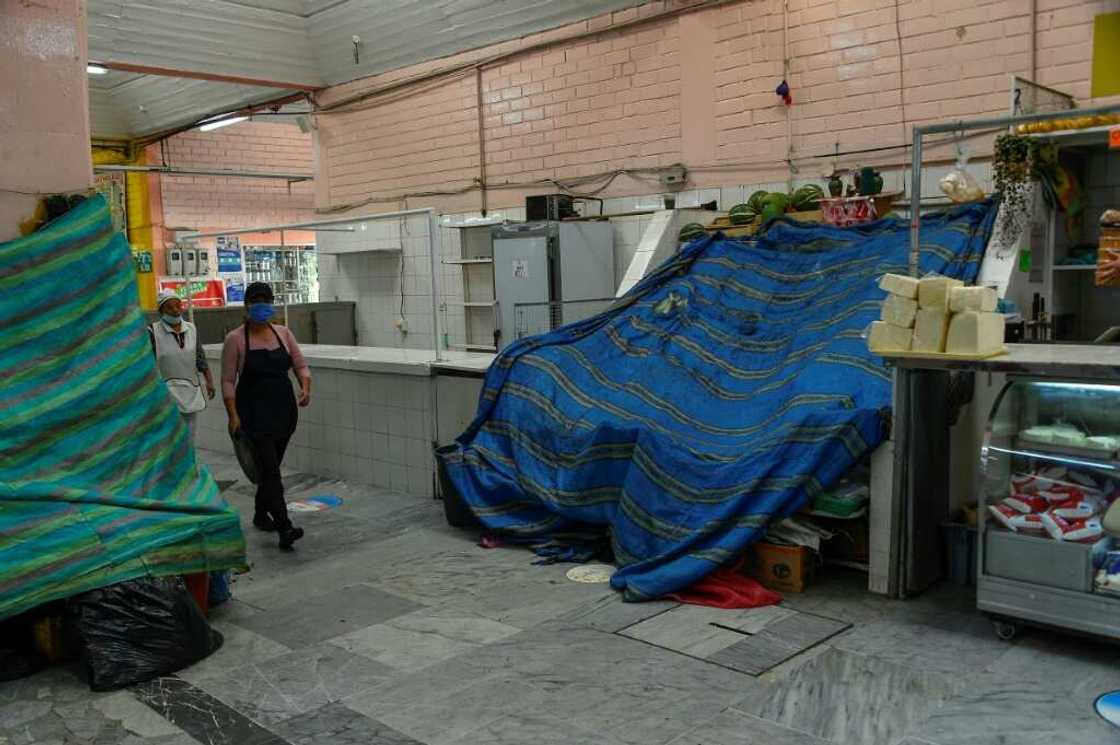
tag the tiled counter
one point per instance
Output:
(372, 417)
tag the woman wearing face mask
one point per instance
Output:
(180, 358)
(256, 360)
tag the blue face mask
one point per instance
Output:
(171, 320)
(260, 312)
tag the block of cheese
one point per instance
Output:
(930, 327)
(972, 298)
(899, 311)
(900, 284)
(933, 291)
(886, 337)
(975, 333)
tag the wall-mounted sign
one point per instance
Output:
(143, 261)
(229, 259)
(207, 293)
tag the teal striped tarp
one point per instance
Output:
(98, 478)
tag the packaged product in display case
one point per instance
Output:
(1051, 470)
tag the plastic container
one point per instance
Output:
(457, 513)
(199, 586)
(960, 553)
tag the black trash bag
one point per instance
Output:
(138, 630)
(18, 656)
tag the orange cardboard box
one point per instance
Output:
(782, 568)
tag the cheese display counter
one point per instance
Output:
(1051, 468)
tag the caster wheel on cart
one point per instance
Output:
(1007, 630)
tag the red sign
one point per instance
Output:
(205, 293)
(1114, 138)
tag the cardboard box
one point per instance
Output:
(782, 568)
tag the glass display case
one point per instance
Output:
(1050, 470)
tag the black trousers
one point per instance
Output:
(270, 488)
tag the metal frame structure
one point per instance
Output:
(906, 577)
(961, 126)
(433, 248)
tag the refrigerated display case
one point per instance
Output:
(1050, 469)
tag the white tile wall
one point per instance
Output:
(371, 274)
(387, 267)
(372, 428)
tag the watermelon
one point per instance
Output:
(776, 201)
(691, 232)
(806, 197)
(757, 201)
(741, 214)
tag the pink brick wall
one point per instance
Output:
(613, 100)
(216, 202)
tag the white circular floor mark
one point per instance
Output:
(591, 573)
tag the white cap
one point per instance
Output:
(164, 296)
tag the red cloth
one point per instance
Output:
(727, 587)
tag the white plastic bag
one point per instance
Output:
(959, 185)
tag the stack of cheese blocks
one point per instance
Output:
(936, 314)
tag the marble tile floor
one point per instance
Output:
(390, 628)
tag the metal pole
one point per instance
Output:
(434, 244)
(1010, 121)
(916, 202)
(283, 273)
(310, 224)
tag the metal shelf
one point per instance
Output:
(1075, 267)
(484, 304)
(473, 347)
(461, 262)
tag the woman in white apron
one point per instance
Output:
(180, 358)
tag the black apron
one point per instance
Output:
(266, 403)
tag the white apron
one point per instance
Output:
(177, 367)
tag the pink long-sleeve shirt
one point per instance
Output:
(233, 355)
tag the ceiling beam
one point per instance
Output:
(172, 73)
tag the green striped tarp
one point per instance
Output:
(99, 482)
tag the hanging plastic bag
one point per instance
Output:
(959, 185)
(138, 630)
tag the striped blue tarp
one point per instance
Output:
(726, 389)
(98, 478)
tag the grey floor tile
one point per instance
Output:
(736, 728)
(334, 724)
(1028, 711)
(1082, 667)
(608, 613)
(283, 687)
(240, 647)
(538, 729)
(200, 715)
(423, 638)
(781, 639)
(926, 647)
(702, 632)
(849, 698)
(324, 615)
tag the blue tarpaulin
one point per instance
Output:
(727, 388)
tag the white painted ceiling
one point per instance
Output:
(299, 42)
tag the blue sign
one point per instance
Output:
(235, 291)
(229, 259)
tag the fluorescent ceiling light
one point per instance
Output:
(96, 69)
(221, 123)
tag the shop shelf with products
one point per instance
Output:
(1051, 467)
